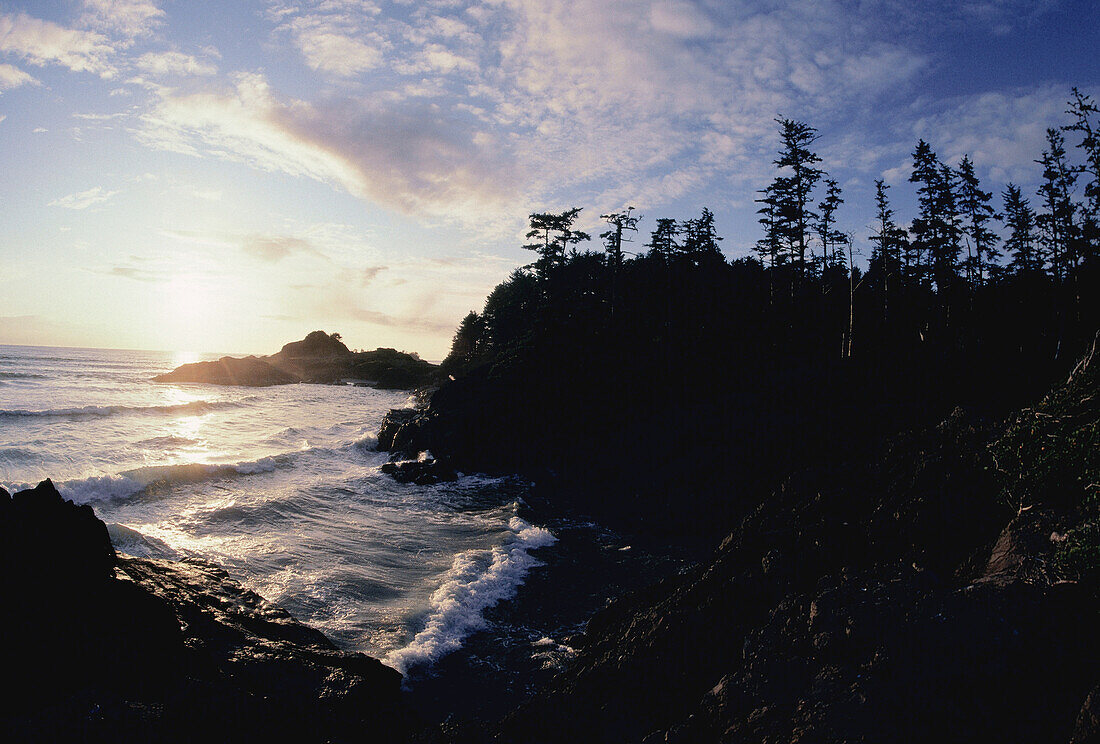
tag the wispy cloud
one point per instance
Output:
(84, 199)
(276, 247)
(129, 19)
(174, 63)
(44, 42)
(12, 77)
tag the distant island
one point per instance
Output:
(318, 358)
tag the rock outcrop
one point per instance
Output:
(106, 648)
(319, 358)
(250, 371)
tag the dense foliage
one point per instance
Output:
(674, 371)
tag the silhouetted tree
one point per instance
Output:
(701, 239)
(936, 229)
(889, 241)
(1019, 218)
(1085, 112)
(1056, 221)
(620, 222)
(467, 343)
(663, 241)
(981, 241)
(825, 225)
(792, 192)
(554, 236)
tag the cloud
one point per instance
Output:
(406, 155)
(130, 272)
(369, 274)
(130, 19)
(275, 248)
(44, 42)
(12, 77)
(84, 199)
(173, 63)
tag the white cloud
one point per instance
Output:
(130, 19)
(333, 38)
(411, 157)
(173, 63)
(44, 42)
(84, 199)
(12, 77)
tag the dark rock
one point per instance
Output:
(319, 358)
(404, 432)
(420, 472)
(124, 649)
(1087, 729)
(250, 372)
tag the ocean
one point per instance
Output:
(279, 485)
(464, 587)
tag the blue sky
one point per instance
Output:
(227, 176)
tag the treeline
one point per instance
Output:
(667, 369)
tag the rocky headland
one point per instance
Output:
(318, 358)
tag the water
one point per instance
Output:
(280, 486)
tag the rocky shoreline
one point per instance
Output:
(941, 589)
(115, 648)
(945, 588)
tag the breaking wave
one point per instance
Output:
(476, 581)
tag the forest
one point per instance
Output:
(668, 372)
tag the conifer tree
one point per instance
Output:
(1056, 222)
(663, 242)
(554, 236)
(936, 229)
(981, 246)
(701, 238)
(825, 226)
(889, 242)
(792, 192)
(1085, 114)
(769, 247)
(1019, 219)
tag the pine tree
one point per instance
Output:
(1084, 111)
(554, 236)
(981, 247)
(936, 231)
(889, 241)
(701, 238)
(825, 226)
(663, 242)
(792, 192)
(1019, 219)
(620, 222)
(1056, 222)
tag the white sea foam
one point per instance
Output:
(132, 482)
(194, 407)
(476, 581)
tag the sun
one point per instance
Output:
(191, 313)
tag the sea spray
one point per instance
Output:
(477, 580)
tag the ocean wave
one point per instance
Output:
(167, 442)
(22, 376)
(133, 482)
(194, 407)
(130, 541)
(476, 581)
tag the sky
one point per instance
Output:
(230, 175)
